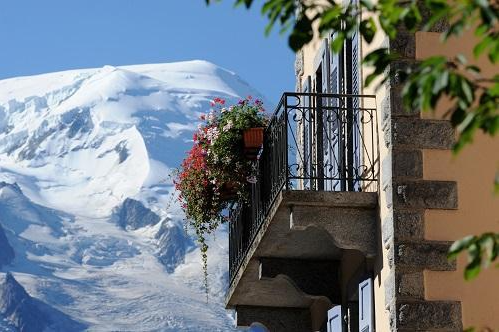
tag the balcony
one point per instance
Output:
(310, 225)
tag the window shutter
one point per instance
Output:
(356, 90)
(335, 319)
(366, 306)
(325, 68)
(306, 138)
(356, 58)
(333, 143)
(334, 69)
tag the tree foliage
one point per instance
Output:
(473, 96)
(482, 250)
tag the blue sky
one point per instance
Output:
(39, 36)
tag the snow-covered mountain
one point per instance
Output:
(91, 234)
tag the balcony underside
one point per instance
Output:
(296, 255)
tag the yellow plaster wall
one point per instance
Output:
(309, 52)
(382, 270)
(311, 48)
(478, 208)
(382, 320)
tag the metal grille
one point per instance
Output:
(307, 146)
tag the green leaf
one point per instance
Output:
(472, 269)
(368, 4)
(302, 33)
(330, 19)
(494, 51)
(367, 29)
(481, 46)
(457, 117)
(487, 243)
(475, 70)
(337, 43)
(496, 183)
(481, 30)
(461, 59)
(247, 3)
(412, 17)
(467, 90)
(460, 245)
(370, 78)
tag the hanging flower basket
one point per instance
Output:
(216, 170)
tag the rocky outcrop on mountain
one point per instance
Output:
(13, 186)
(79, 143)
(132, 214)
(173, 245)
(6, 251)
(18, 308)
(28, 314)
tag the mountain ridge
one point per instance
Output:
(88, 203)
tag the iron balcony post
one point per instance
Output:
(285, 143)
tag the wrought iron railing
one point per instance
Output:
(320, 142)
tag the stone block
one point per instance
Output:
(404, 44)
(397, 104)
(408, 163)
(429, 315)
(398, 66)
(410, 284)
(430, 255)
(408, 225)
(425, 194)
(422, 133)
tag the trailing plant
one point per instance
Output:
(215, 165)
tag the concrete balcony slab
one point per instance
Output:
(303, 225)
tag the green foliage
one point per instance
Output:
(482, 251)
(215, 161)
(496, 183)
(474, 98)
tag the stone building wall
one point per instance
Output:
(427, 200)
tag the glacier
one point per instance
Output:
(91, 233)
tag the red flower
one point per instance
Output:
(219, 101)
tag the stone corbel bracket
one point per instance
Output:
(350, 218)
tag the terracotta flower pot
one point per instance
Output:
(253, 137)
(253, 140)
